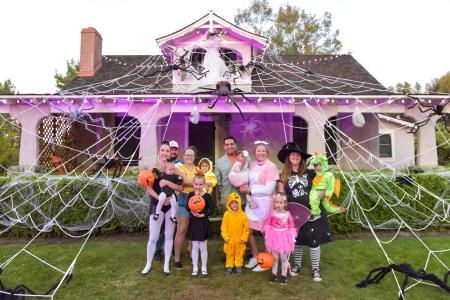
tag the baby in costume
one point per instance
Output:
(323, 183)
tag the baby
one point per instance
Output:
(239, 172)
(166, 191)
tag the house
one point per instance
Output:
(144, 99)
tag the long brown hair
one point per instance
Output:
(287, 169)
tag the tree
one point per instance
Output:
(73, 68)
(403, 87)
(443, 150)
(7, 88)
(290, 30)
(440, 85)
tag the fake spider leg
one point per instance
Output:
(422, 123)
(246, 98)
(237, 106)
(446, 118)
(214, 103)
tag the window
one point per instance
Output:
(385, 145)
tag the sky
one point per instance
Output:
(395, 41)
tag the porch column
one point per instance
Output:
(315, 119)
(148, 119)
(29, 119)
(426, 135)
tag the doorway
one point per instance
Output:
(202, 137)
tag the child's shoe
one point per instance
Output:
(194, 273)
(229, 271)
(295, 270)
(179, 265)
(273, 279)
(316, 275)
(155, 217)
(174, 220)
(283, 280)
(239, 271)
(251, 263)
(204, 273)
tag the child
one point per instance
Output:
(166, 191)
(234, 231)
(239, 172)
(323, 186)
(280, 234)
(206, 169)
(199, 229)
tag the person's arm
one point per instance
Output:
(209, 207)
(224, 229)
(281, 187)
(245, 231)
(152, 192)
(263, 190)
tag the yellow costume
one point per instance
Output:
(235, 230)
(210, 177)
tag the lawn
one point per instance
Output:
(108, 269)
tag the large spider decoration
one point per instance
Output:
(109, 164)
(182, 64)
(79, 115)
(223, 89)
(435, 110)
(234, 70)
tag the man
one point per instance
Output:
(174, 148)
(223, 168)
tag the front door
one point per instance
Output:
(202, 137)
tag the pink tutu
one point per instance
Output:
(282, 242)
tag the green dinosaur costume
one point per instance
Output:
(324, 181)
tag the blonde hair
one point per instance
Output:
(283, 197)
(261, 144)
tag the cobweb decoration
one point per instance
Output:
(44, 202)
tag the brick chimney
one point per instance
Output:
(90, 52)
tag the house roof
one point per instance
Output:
(299, 74)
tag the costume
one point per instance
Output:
(323, 181)
(210, 177)
(262, 180)
(234, 229)
(280, 232)
(199, 228)
(166, 191)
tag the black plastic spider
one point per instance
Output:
(181, 64)
(234, 70)
(109, 163)
(223, 89)
(437, 110)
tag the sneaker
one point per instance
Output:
(178, 265)
(283, 280)
(273, 279)
(229, 271)
(251, 263)
(316, 275)
(239, 271)
(155, 217)
(194, 273)
(295, 270)
(204, 273)
(259, 269)
(158, 255)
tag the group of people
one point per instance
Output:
(253, 196)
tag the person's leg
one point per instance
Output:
(173, 208)
(159, 242)
(194, 255)
(253, 249)
(161, 199)
(276, 257)
(169, 229)
(284, 260)
(182, 226)
(204, 255)
(314, 254)
(154, 228)
(298, 254)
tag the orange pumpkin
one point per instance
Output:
(265, 260)
(196, 203)
(146, 177)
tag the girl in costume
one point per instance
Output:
(234, 231)
(199, 230)
(323, 184)
(280, 234)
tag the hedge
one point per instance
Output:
(53, 193)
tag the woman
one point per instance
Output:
(296, 182)
(188, 170)
(263, 177)
(155, 226)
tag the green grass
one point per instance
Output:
(108, 269)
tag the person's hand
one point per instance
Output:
(226, 241)
(162, 183)
(341, 209)
(253, 205)
(322, 194)
(242, 242)
(167, 201)
(244, 189)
